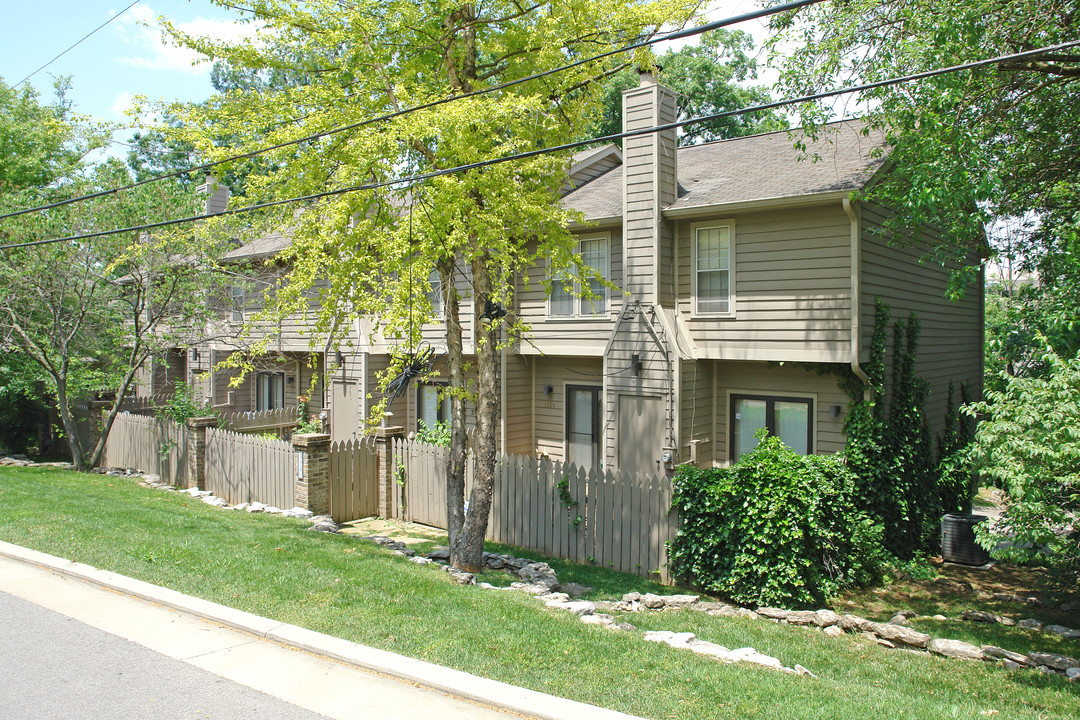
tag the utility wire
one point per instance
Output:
(567, 146)
(79, 42)
(435, 103)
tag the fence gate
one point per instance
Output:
(354, 487)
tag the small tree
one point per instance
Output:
(1028, 443)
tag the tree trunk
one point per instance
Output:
(455, 471)
(471, 554)
(70, 429)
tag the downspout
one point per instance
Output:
(852, 212)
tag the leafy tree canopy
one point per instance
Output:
(967, 146)
(710, 78)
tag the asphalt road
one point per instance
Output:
(54, 667)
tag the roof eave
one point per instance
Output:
(757, 204)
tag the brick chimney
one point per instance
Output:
(217, 195)
(649, 184)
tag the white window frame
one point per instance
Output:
(443, 406)
(713, 224)
(584, 307)
(269, 379)
(435, 294)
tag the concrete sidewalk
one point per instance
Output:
(327, 675)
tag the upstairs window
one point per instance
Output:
(712, 269)
(435, 294)
(237, 298)
(564, 302)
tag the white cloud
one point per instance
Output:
(139, 29)
(123, 102)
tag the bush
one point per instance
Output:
(777, 528)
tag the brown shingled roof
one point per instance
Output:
(753, 168)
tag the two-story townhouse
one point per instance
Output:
(743, 285)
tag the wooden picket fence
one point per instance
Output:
(245, 468)
(354, 487)
(150, 444)
(613, 519)
(281, 421)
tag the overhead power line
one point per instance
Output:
(77, 43)
(567, 146)
(677, 35)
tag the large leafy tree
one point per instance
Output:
(478, 229)
(967, 146)
(87, 314)
(710, 77)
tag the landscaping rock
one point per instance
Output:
(750, 655)
(773, 613)
(1059, 630)
(439, 553)
(985, 617)
(255, 507)
(1030, 624)
(420, 560)
(902, 635)
(939, 618)
(1011, 665)
(215, 501)
(833, 631)
(955, 649)
(652, 602)
(885, 643)
(1053, 660)
(576, 590)
(602, 606)
(703, 647)
(1071, 606)
(678, 601)
(746, 613)
(674, 639)
(625, 626)
(723, 610)
(299, 512)
(581, 607)
(854, 623)
(462, 578)
(530, 588)
(799, 669)
(631, 597)
(825, 618)
(324, 523)
(1073, 673)
(556, 596)
(899, 620)
(802, 617)
(995, 652)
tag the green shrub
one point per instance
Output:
(777, 528)
(437, 434)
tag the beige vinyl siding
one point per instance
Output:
(791, 280)
(951, 341)
(517, 410)
(639, 334)
(593, 170)
(558, 335)
(751, 378)
(549, 421)
(696, 412)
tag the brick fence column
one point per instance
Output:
(384, 446)
(312, 489)
(96, 410)
(196, 451)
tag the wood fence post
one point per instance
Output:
(196, 446)
(384, 448)
(312, 488)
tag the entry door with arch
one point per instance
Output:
(640, 441)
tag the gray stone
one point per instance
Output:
(854, 623)
(899, 620)
(773, 613)
(703, 647)
(272, 510)
(215, 501)
(1010, 665)
(581, 607)
(1004, 597)
(652, 602)
(604, 606)
(419, 560)
(674, 639)
(802, 617)
(462, 578)
(955, 649)
(605, 620)
(939, 618)
(902, 635)
(750, 655)
(625, 626)
(323, 523)
(978, 616)
(576, 590)
(299, 512)
(1071, 606)
(1045, 670)
(679, 601)
(1072, 673)
(723, 611)
(799, 669)
(746, 613)
(825, 618)
(1053, 660)
(1058, 630)
(832, 630)
(1030, 624)
(439, 553)
(885, 643)
(631, 597)
(992, 651)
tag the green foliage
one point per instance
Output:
(568, 501)
(889, 449)
(182, 405)
(777, 528)
(437, 434)
(710, 77)
(1028, 443)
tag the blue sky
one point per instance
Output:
(128, 58)
(124, 59)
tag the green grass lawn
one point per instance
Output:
(276, 567)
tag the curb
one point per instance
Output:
(457, 683)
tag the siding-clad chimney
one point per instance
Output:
(649, 184)
(217, 195)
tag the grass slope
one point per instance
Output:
(275, 567)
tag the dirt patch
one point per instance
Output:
(408, 533)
